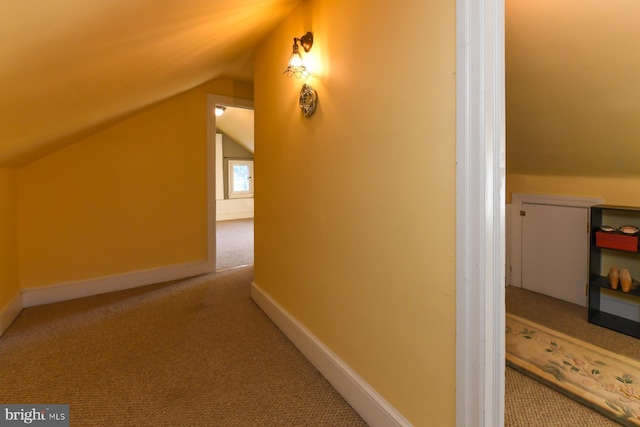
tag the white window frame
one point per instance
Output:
(231, 178)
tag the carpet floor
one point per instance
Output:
(196, 352)
(600, 379)
(529, 403)
(234, 243)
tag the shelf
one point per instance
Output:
(617, 208)
(603, 282)
(615, 323)
(601, 248)
(614, 216)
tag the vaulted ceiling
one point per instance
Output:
(238, 124)
(573, 87)
(70, 67)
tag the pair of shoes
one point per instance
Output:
(627, 283)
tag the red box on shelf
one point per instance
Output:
(618, 241)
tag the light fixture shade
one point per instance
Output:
(220, 110)
(296, 66)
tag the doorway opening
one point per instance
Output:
(231, 194)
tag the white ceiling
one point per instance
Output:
(68, 67)
(238, 124)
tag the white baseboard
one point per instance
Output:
(234, 215)
(101, 285)
(361, 396)
(9, 312)
(228, 209)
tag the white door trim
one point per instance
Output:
(480, 213)
(517, 200)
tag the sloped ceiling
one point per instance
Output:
(573, 87)
(68, 67)
(238, 124)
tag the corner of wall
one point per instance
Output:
(10, 312)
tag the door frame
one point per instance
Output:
(480, 213)
(517, 200)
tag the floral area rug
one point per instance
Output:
(606, 382)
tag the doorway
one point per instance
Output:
(230, 181)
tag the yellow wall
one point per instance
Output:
(131, 197)
(9, 284)
(621, 191)
(356, 237)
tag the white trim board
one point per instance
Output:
(9, 312)
(235, 215)
(227, 209)
(83, 288)
(508, 240)
(517, 200)
(375, 410)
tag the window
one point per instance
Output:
(240, 178)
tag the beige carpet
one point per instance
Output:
(530, 403)
(234, 243)
(192, 353)
(602, 380)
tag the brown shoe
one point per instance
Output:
(625, 280)
(614, 276)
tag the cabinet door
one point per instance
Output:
(555, 245)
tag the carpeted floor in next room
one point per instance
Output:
(234, 243)
(528, 403)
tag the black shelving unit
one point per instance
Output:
(598, 279)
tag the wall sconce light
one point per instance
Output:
(296, 66)
(220, 110)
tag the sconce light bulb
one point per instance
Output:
(295, 61)
(297, 67)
